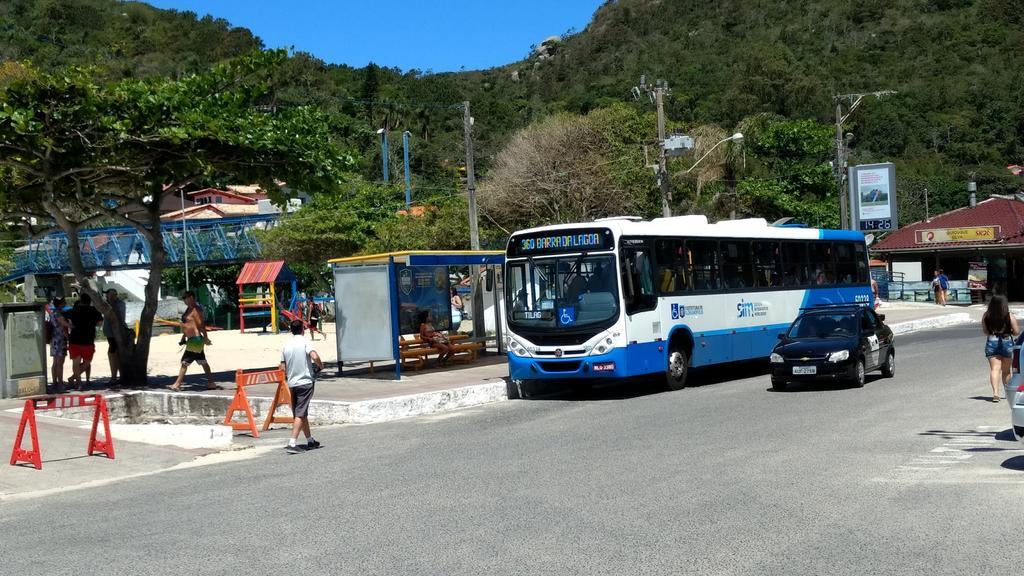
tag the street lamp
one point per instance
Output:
(737, 137)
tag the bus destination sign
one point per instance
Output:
(577, 241)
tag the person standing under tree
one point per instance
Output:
(109, 328)
(57, 332)
(193, 328)
(301, 364)
(82, 339)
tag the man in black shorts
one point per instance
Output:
(300, 363)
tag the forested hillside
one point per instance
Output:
(773, 66)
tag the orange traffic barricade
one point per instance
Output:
(240, 402)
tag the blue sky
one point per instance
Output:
(437, 35)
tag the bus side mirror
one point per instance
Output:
(489, 279)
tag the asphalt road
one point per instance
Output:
(911, 475)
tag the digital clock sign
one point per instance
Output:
(582, 240)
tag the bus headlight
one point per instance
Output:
(777, 358)
(517, 349)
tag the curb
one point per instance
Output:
(943, 321)
(202, 413)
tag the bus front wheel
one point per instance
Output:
(677, 368)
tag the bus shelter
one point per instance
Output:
(379, 297)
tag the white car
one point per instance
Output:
(1014, 391)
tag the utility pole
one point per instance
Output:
(657, 93)
(842, 148)
(477, 300)
(408, 178)
(467, 129)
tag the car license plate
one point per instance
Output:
(805, 369)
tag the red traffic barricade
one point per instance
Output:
(60, 402)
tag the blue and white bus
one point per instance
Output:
(620, 297)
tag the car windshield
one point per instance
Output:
(839, 325)
(562, 292)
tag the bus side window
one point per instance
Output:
(736, 264)
(703, 260)
(794, 258)
(860, 254)
(846, 263)
(672, 275)
(767, 264)
(822, 260)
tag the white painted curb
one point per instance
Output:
(384, 409)
(932, 322)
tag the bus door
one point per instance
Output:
(643, 323)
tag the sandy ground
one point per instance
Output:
(230, 351)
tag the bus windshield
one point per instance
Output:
(563, 292)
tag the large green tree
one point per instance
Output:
(74, 151)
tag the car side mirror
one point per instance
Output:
(881, 317)
(782, 335)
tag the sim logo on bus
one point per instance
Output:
(751, 309)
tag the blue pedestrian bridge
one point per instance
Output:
(214, 241)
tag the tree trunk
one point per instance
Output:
(133, 353)
(138, 362)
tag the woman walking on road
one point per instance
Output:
(999, 327)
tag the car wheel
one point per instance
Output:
(861, 374)
(676, 369)
(889, 368)
(778, 385)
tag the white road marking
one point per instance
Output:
(950, 462)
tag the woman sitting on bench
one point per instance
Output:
(435, 338)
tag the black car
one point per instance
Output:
(833, 343)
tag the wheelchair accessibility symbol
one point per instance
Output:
(567, 316)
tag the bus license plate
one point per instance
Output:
(805, 369)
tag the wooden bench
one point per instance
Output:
(414, 351)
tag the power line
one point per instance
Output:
(407, 104)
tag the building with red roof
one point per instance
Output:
(990, 233)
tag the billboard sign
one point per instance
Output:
(942, 235)
(423, 288)
(873, 197)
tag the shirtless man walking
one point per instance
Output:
(193, 325)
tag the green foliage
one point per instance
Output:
(332, 225)
(442, 227)
(75, 151)
(788, 172)
(222, 277)
(954, 64)
(365, 220)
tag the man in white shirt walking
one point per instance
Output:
(300, 363)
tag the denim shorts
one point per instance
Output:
(1001, 347)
